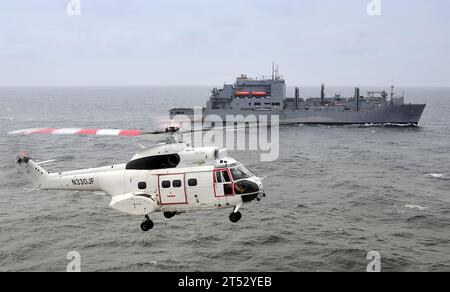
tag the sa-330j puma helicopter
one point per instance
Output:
(171, 178)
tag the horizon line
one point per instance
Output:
(205, 85)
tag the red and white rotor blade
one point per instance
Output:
(78, 131)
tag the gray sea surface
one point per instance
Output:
(335, 193)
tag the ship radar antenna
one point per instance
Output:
(273, 70)
(392, 91)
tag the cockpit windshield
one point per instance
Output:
(240, 172)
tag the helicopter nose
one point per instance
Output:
(261, 187)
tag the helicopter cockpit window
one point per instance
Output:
(245, 170)
(154, 162)
(238, 174)
(228, 189)
(245, 187)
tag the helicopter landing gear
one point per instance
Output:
(236, 215)
(169, 215)
(147, 224)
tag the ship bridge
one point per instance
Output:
(249, 94)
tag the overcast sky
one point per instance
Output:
(207, 42)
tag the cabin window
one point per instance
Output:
(192, 182)
(227, 187)
(218, 177)
(142, 185)
(257, 103)
(276, 104)
(176, 183)
(154, 162)
(165, 184)
(226, 176)
(223, 179)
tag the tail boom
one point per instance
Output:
(81, 180)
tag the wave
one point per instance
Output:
(438, 176)
(417, 207)
(418, 218)
(393, 125)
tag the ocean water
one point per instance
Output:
(335, 193)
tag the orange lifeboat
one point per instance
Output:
(242, 93)
(259, 93)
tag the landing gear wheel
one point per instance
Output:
(169, 215)
(235, 217)
(147, 224)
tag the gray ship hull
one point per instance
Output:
(396, 114)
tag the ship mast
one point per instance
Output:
(392, 93)
(357, 97)
(273, 70)
(322, 94)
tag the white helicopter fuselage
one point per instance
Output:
(172, 179)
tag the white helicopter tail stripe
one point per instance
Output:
(25, 131)
(66, 131)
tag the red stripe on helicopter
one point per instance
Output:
(87, 132)
(43, 131)
(130, 133)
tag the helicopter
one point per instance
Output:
(172, 178)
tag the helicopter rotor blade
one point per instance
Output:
(102, 132)
(85, 131)
(78, 131)
(175, 129)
